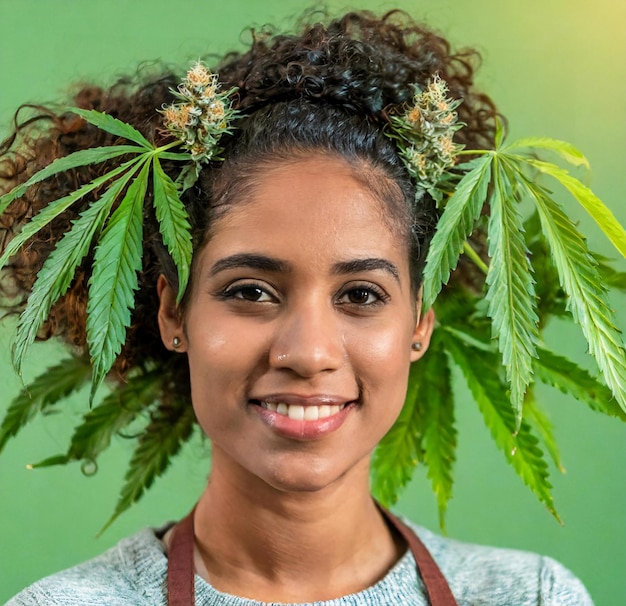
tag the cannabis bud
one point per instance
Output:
(203, 115)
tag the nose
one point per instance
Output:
(308, 340)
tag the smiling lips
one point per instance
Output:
(303, 413)
(303, 418)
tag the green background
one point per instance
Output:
(555, 68)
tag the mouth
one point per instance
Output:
(303, 418)
(297, 412)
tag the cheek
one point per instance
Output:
(219, 366)
(383, 365)
(216, 345)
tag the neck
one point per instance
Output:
(292, 546)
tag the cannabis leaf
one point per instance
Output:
(612, 277)
(511, 293)
(160, 441)
(75, 160)
(565, 150)
(114, 126)
(120, 408)
(401, 449)
(439, 433)
(114, 280)
(582, 282)
(551, 297)
(598, 211)
(173, 223)
(57, 272)
(55, 208)
(47, 389)
(424, 432)
(517, 441)
(542, 425)
(570, 378)
(118, 252)
(454, 227)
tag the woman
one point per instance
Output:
(296, 333)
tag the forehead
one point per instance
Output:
(312, 206)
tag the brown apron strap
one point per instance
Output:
(180, 568)
(437, 588)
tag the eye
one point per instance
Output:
(254, 293)
(363, 296)
(251, 293)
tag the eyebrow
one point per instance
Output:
(273, 265)
(359, 265)
(252, 261)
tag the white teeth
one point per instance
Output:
(296, 412)
(311, 413)
(303, 413)
(324, 411)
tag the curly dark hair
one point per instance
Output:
(326, 90)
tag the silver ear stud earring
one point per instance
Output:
(176, 342)
(417, 346)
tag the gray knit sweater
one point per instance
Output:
(133, 573)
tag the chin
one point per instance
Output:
(308, 476)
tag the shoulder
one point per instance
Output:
(499, 577)
(131, 573)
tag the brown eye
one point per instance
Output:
(250, 293)
(253, 293)
(360, 296)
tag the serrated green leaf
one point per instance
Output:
(50, 462)
(568, 377)
(57, 272)
(179, 156)
(439, 433)
(613, 278)
(173, 225)
(459, 314)
(120, 408)
(186, 178)
(469, 338)
(113, 125)
(454, 227)
(565, 150)
(47, 389)
(400, 450)
(113, 281)
(520, 447)
(583, 284)
(79, 158)
(538, 419)
(55, 208)
(499, 138)
(511, 291)
(551, 297)
(597, 210)
(156, 446)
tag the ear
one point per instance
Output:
(423, 331)
(170, 321)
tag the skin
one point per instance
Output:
(303, 327)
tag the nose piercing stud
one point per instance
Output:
(281, 357)
(417, 346)
(176, 342)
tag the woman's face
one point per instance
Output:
(299, 328)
